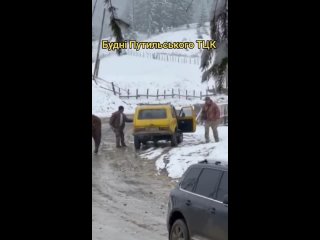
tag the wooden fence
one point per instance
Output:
(165, 94)
(110, 86)
(165, 57)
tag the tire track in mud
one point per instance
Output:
(128, 196)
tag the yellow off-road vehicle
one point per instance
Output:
(154, 122)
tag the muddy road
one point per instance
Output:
(129, 198)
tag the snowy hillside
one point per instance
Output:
(104, 103)
(180, 34)
(143, 74)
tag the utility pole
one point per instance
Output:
(96, 67)
(132, 15)
(94, 7)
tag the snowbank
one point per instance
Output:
(192, 150)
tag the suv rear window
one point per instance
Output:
(152, 114)
(190, 179)
(185, 112)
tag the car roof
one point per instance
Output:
(160, 105)
(214, 165)
(154, 106)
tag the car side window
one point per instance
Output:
(208, 183)
(190, 179)
(186, 112)
(223, 187)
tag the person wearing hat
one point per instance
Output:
(210, 115)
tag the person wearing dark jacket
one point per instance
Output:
(117, 123)
(211, 116)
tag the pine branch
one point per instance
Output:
(115, 24)
(218, 71)
(206, 58)
(122, 23)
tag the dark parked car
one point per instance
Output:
(198, 206)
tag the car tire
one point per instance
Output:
(137, 143)
(179, 231)
(174, 140)
(180, 138)
(155, 143)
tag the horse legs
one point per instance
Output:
(97, 139)
(96, 132)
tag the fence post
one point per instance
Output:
(147, 93)
(186, 94)
(128, 93)
(200, 95)
(157, 93)
(137, 93)
(179, 92)
(172, 93)
(164, 94)
(113, 89)
(194, 93)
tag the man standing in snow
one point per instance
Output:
(117, 123)
(211, 116)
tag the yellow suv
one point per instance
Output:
(153, 122)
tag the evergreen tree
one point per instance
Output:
(129, 33)
(202, 20)
(116, 23)
(219, 33)
(140, 15)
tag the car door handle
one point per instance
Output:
(212, 210)
(188, 202)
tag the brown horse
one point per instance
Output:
(96, 132)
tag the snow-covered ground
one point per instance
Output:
(178, 35)
(192, 150)
(131, 72)
(104, 103)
